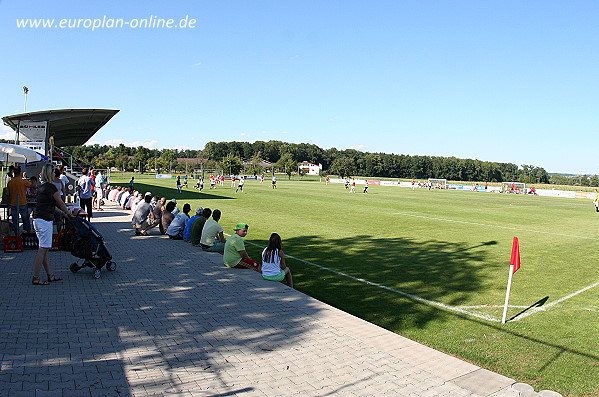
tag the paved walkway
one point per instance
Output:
(173, 321)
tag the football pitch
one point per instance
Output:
(433, 266)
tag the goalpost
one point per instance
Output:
(438, 183)
(513, 187)
(202, 172)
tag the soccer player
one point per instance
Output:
(241, 183)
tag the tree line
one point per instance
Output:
(235, 157)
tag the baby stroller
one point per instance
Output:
(89, 246)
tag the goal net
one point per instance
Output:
(513, 187)
(205, 173)
(437, 183)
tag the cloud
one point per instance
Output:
(112, 142)
(334, 119)
(147, 144)
(7, 133)
(358, 147)
(182, 147)
(243, 134)
(197, 64)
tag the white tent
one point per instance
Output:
(19, 154)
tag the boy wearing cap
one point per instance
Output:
(235, 254)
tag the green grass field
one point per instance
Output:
(437, 265)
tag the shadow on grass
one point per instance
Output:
(435, 270)
(447, 272)
(538, 303)
(170, 193)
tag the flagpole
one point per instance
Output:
(507, 294)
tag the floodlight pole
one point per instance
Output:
(25, 92)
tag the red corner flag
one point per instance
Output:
(515, 260)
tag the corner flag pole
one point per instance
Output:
(514, 266)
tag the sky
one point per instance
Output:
(504, 81)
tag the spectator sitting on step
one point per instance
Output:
(114, 190)
(189, 223)
(175, 229)
(195, 234)
(235, 254)
(125, 197)
(167, 215)
(129, 200)
(213, 239)
(136, 200)
(274, 267)
(120, 194)
(157, 212)
(141, 217)
(176, 210)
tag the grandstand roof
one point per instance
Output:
(71, 127)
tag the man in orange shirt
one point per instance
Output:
(17, 188)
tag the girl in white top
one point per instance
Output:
(273, 262)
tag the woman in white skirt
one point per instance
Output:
(47, 199)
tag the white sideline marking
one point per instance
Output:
(545, 307)
(490, 306)
(413, 297)
(497, 226)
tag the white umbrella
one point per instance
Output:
(19, 154)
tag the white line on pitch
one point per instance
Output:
(408, 295)
(497, 226)
(545, 307)
(490, 306)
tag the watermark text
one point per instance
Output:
(152, 22)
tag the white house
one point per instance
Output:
(310, 168)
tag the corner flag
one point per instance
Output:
(515, 260)
(514, 266)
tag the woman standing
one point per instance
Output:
(273, 262)
(48, 198)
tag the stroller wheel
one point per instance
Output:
(111, 266)
(74, 267)
(97, 273)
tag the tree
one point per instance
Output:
(344, 167)
(167, 159)
(231, 164)
(141, 156)
(287, 164)
(254, 167)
